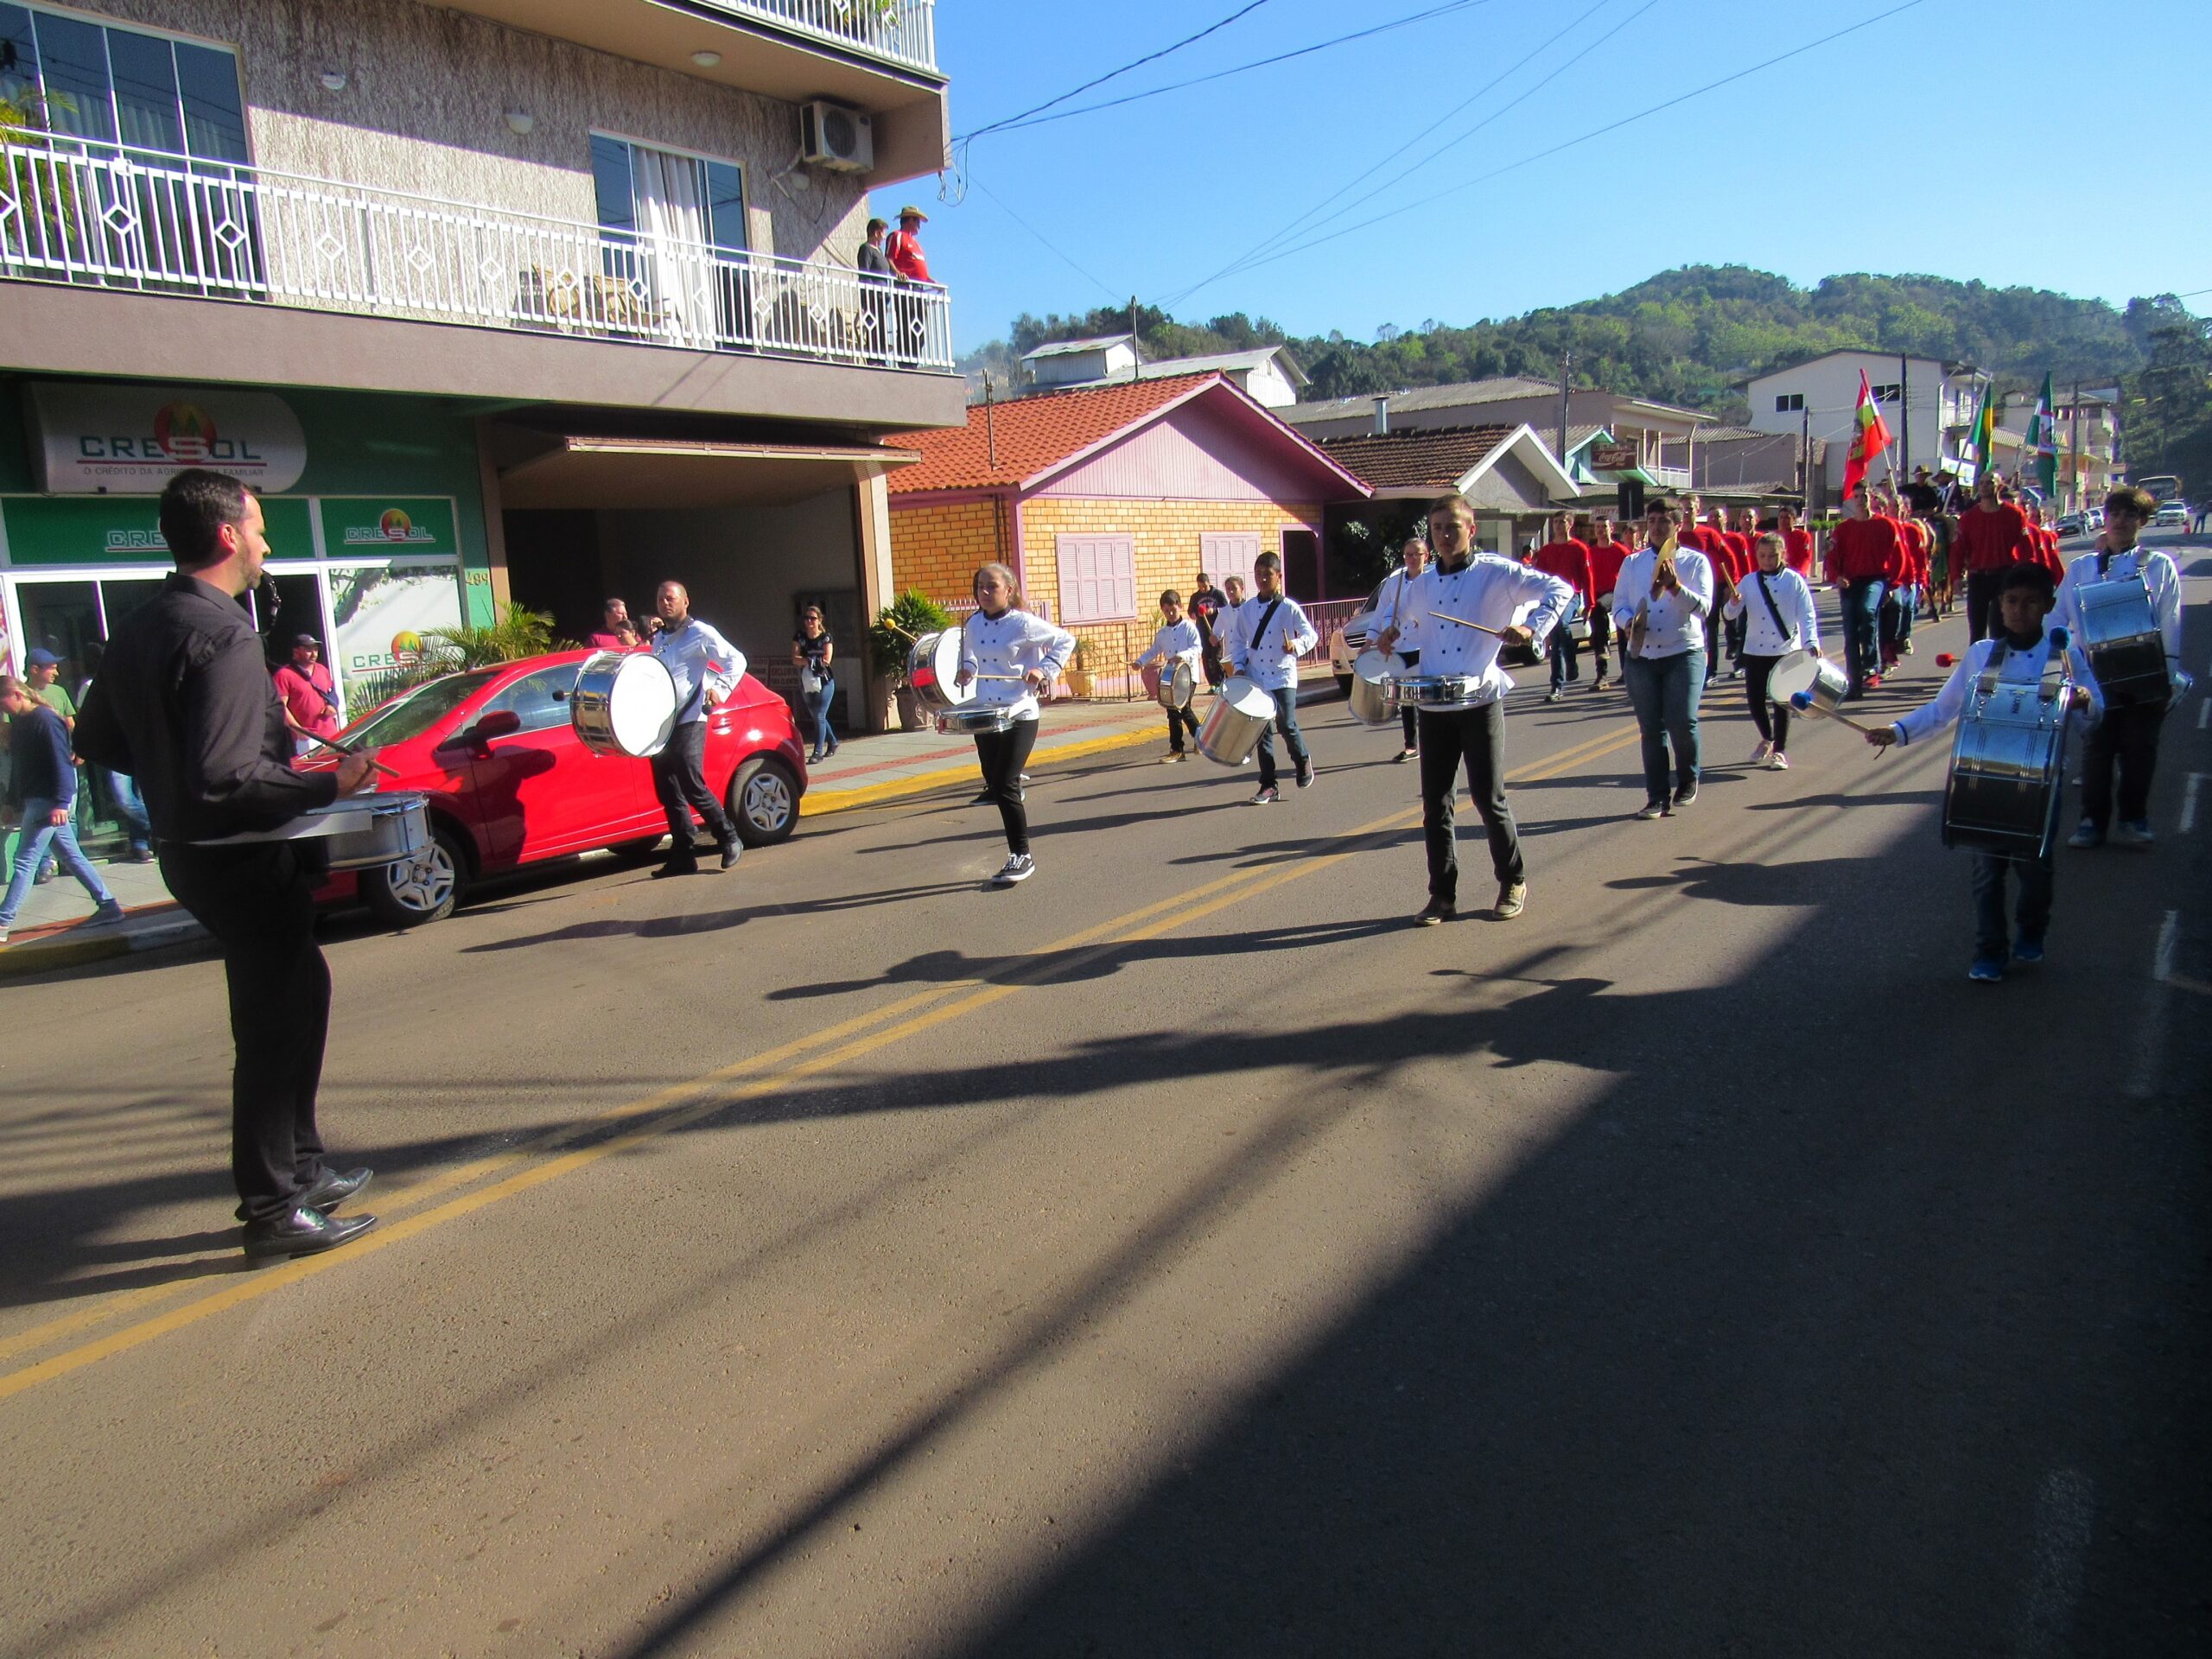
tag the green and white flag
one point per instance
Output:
(2043, 443)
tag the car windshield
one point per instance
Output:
(411, 715)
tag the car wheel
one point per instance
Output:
(764, 802)
(423, 889)
(643, 846)
(1343, 685)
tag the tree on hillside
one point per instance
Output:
(2167, 420)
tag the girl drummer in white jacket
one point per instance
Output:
(1010, 655)
(1779, 619)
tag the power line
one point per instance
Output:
(1051, 246)
(1570, 144)
(1017, 123)
(1251, 256)
(1100, 80)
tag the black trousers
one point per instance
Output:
(680, 781)
(1406, 715)
(1981, 603)
(1601, 633)
(1179, 721)
(1003, 754)
(1476, 737)
(1286, 721)
(258, 900)
(2126, 740)
(1772, 718)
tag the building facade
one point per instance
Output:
(2087, 436)
(526, 301)
(1927, 403)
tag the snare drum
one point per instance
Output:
(2006, 766)
(623, 703)
(1371, 672)
(1438, 693)
(933, 672)
(2120, 638)
(362, 832)
(1233, 725)
(967, 721)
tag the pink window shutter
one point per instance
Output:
(1224, 554)
(1098, 578)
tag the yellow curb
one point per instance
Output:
(815, 803)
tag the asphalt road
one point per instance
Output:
(1176, 1255)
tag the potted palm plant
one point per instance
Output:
(901, 622)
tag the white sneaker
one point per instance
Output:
(1556, 695)
(1778, 761)
(1019, 867)
(1761, 754)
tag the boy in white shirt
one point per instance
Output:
(2021, 650)
(1268, 637)
(1177, 641)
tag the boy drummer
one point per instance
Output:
(1177, 641)
(2021, 647)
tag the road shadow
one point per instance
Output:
(717, 921)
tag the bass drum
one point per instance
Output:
(624, 703)
(1233, 725)
(1370, 669)
(1176, 684)
(933, 672)
(2007, 763)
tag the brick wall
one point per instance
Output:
(1166, 534)
(935, 546)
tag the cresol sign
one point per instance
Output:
(131, 439)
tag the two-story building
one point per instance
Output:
(2086, 433)
(528, 302)
(1927, 403)
(1269, 374)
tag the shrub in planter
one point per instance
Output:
(897, 626)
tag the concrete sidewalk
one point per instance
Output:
(52, 930)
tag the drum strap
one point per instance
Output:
(1774, 611)
(1266, 617)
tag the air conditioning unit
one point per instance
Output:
(834, 136)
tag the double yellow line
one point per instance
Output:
(416, 1207)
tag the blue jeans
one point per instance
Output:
(1560, 645)
(1862, 630)
(1664, 691)
(817, 713)
(130, 811)
(1286, 720)
(1992, 942)
(39, 833)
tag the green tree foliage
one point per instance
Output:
(2166, 420)
(1683, 336)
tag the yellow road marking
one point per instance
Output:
(707, 1094)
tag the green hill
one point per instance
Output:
(1683, 336)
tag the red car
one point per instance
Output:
(510, 784)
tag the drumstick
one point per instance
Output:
(1477, 626)
(340, 748)
(1802, 702)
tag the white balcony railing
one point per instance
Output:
(99, 216)
(904, 31)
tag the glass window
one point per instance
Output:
(610, 174)
(214, 110)
(62, 617)
(425, 707)
(726, 205)
(145, 92)
(74, 62)
(18, 55)
(542, 698)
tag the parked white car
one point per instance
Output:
(2172, 512)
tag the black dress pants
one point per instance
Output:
(1981, 603)
(680, 781)
(1772, 718)
(2126, 740)
(1476, 737)
(1002, 755)
(258, 900)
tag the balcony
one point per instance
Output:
(898, 31)
(157, 224)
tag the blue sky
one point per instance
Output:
(1965, 137)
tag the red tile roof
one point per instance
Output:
(1029, 434)
(1432, 458)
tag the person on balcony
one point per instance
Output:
(909, 265)
(876, 278)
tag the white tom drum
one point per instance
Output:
(1821, 683)
(933, 672)
(1175, 686)
(1371, 672)
(362, 832)
(1440, 693)
(967, 720)
(1232, 727)
(623, 703)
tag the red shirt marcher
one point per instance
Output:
(1992, 541)
(1798, 550)
(1864, 550)
(1739, 554)
(1606, 560)
(602, 640)
(904, 253)
(1570, 561)
(309, 698)
(2053, 560)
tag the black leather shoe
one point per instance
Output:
(677, 866)
(331, 1189)
(301, 1231)
(730, 850)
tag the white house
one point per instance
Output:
(1927, 404)
(1080, 362)
(1269, 374)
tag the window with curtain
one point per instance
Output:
(674, 229)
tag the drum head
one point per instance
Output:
(641, 708)
(1247, 698)
(934, 663)
(1180, 683)
(1791, 675)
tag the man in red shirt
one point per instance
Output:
(1863, 557)
(1796, 545)
(615, 631)
(1569, 560)
(1608, 552)
(310, 698)
(1734, 563)
(903, 247)
(1993, 537)
(2047, 553)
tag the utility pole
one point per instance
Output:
(1904, 412)
(1805, 456)
(990, 422)
(1565, 364)
(2074, 460)
(1136, 342)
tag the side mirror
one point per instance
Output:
(500, 722)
